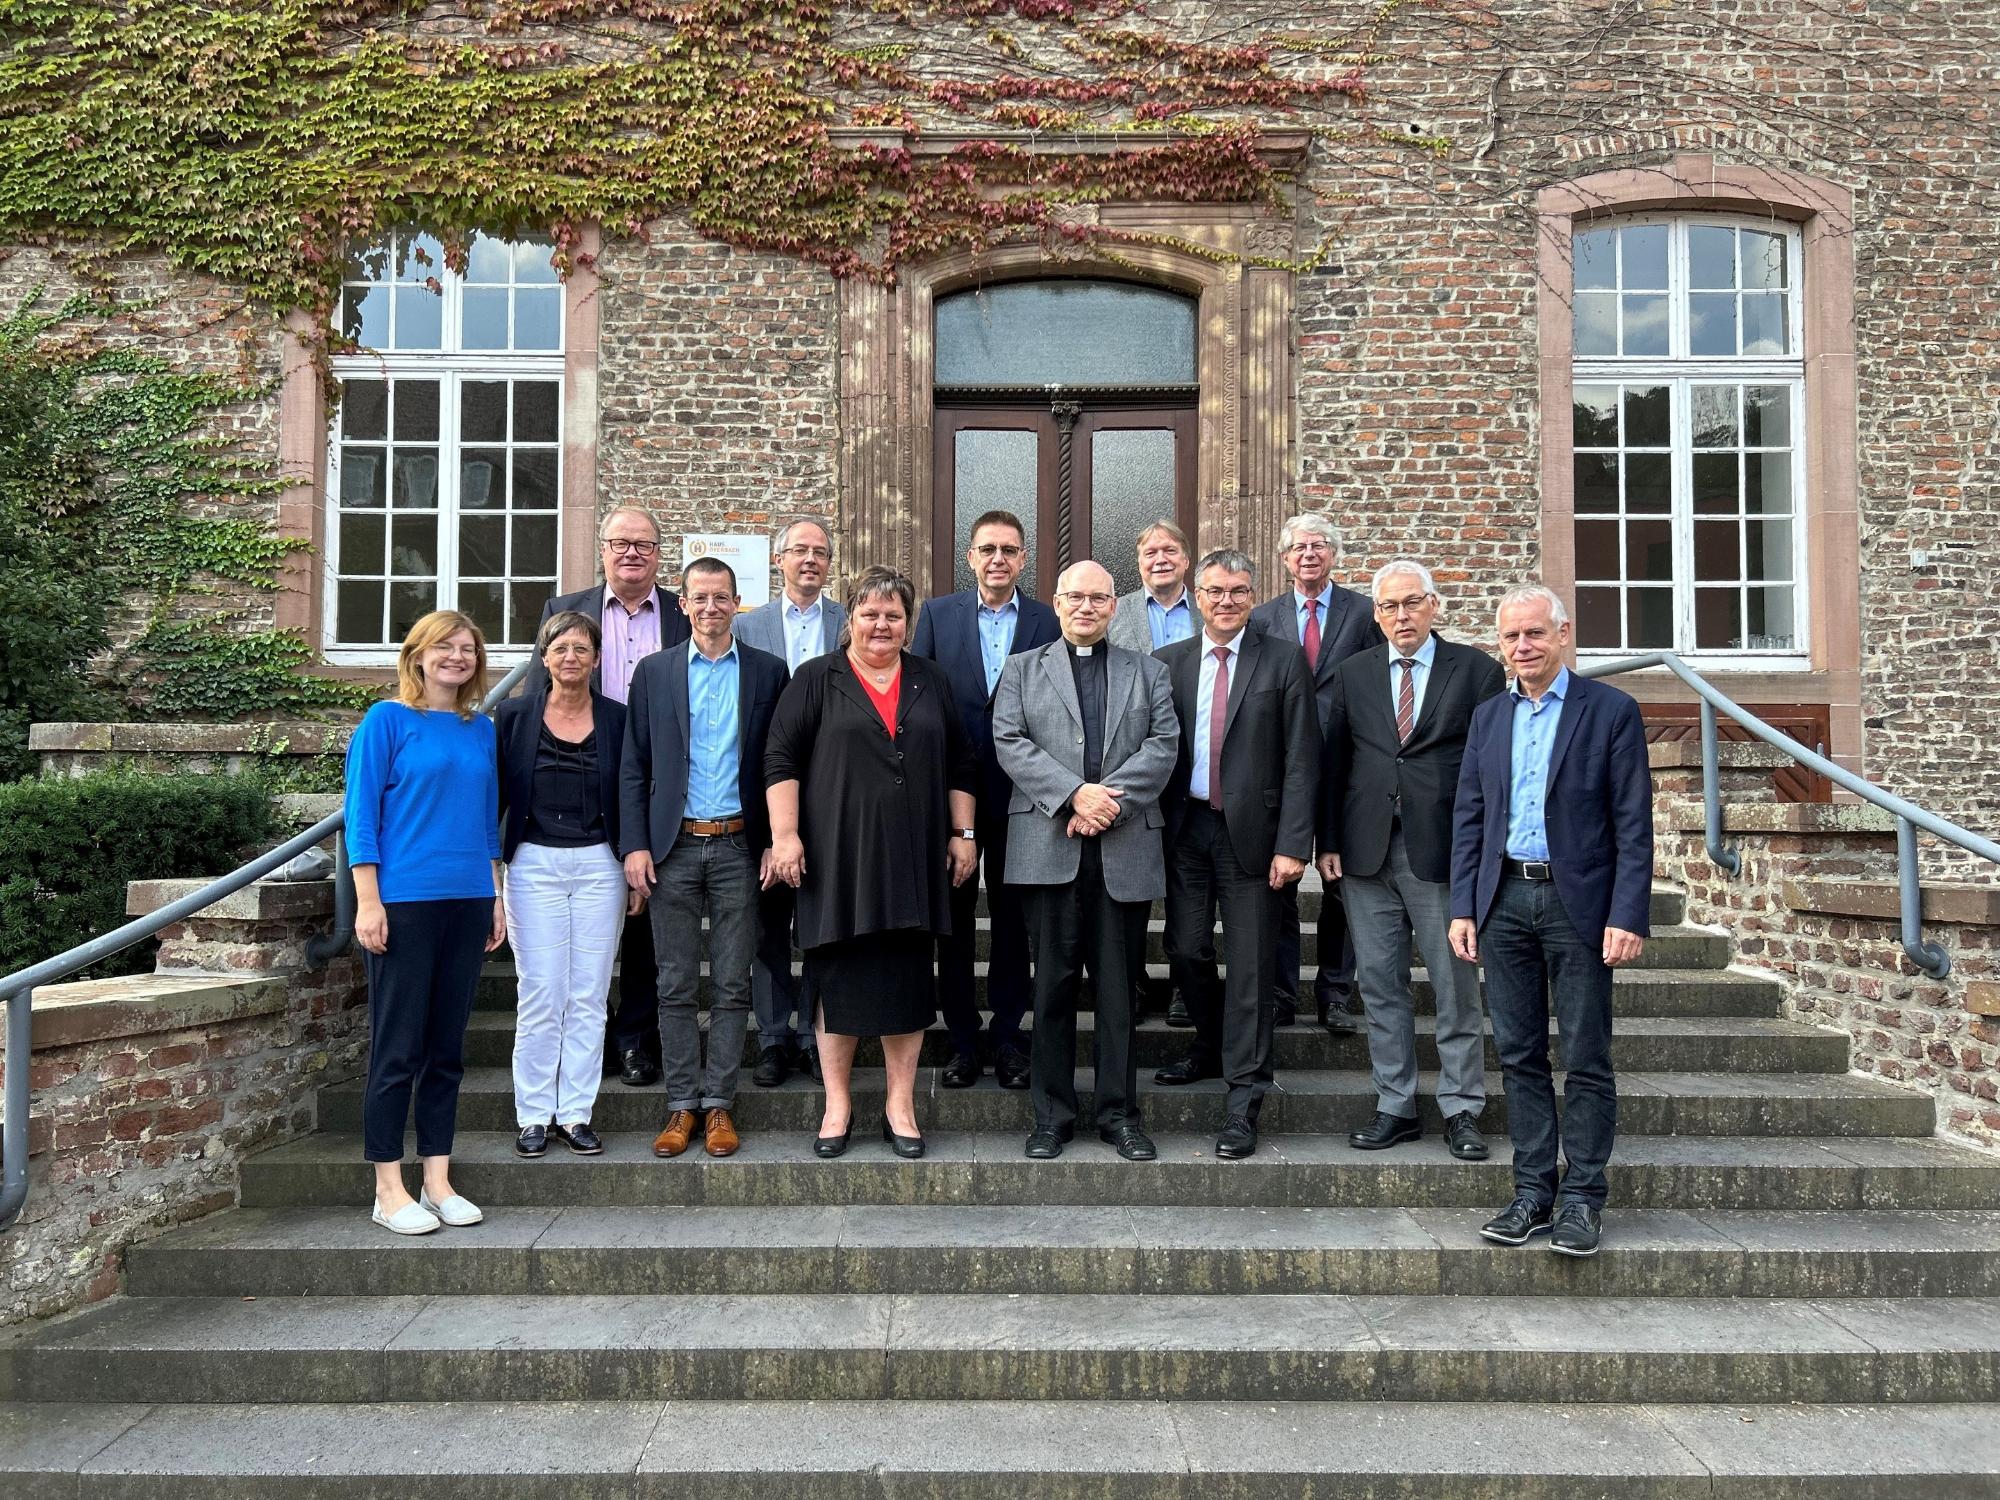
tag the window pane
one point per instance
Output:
(1768, 551)
(1649, 551)
(409, 603)
(531, 262)
(1649, 483)
(485, 317)
(1596, 483)
(1767, 483)
(361, 543)
(1715, 554)
(487, 604)
(488, 261)
(538, 319)
(416, 479)
(364, 316)
(1718, 619)
(413, 547)
(418, 257)
(1645, 257)
(417, 410)
(1764, 329)
(1711, 256)
(1075, 332)
(482, 411)
(993, 469)
(364, 409)
(1597, 549)
(482, 479)
(1596, 260)
(1645, 325)
(1711, 323)
(535, 411)
(419, 318)
(1767, 416)
(524, 616)
(1715, 484)
(1715, 416)
(534, 546)
(1772, 627)
(358, 614)
(1648, 413)
(1596, 323)
(482, 547)
(534, 479)
(1597, 618)
(361, 477)
(1764, 259)
(1649, 619)
(1595, 417)
(371, 264)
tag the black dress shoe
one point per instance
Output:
(1578, 1227)
(1012, 1068)
(534, 1140)
(961, 1072)
(1335, 1018)
(639, 1070)
(580, 1139)
(1190, 1069)
(1517, 1223)
(1288, 1013)
(772, 1067)
(1133, 1143)
(1461, 1133)
(805, 1062)
(1046, 1145)
(1383, 1131)
(909, 1147)
(1177, 1014)
(827, 1147)
(1238, 1139)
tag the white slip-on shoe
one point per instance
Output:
(411, 1218)
(456, 1211)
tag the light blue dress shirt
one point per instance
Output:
(1299, 601)
(996, 638)
(715, 726)
(1528, 782)
(1204, 698)
(805, 632)
(1171, 622)
(1425, 656)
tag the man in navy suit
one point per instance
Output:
(1551, 879)
(971, 634)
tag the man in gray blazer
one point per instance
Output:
(801, 623)
(1087, 734)
(1161, 610)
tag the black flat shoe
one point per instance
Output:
(805, 1062)
(1578, 1228)
(909, 1147)
(1131, 1142)
(960, 1073)
(1045, 1145)
(1012, 1068)
(1461, 1134)
(1177, 1014)
(772, 1067)
(1287, 1013)
(534, 1140)
(638, 1071)
(1517, 1223)
(1385, 1130)
(1189, 1069)
(580, 1139)
(827, 1147)
(1238, 1139)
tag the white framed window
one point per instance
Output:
(1687, 420)
(445, 459)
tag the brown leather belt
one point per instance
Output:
(709, 828)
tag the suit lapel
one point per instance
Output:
(1186, 684)
(677, 679)
(1055, 663)
(1239, 684)
(1442, 668)
(848, 686)
(912, 688)
(1329, 632)
(1574, 708)
(1121, 677)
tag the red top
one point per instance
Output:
(886, 700)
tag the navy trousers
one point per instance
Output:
(420, 997)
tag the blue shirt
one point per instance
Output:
(1204, 699)
(1424, 657)
(996, 638)
(1299, 602)
(423, 803)
(1528, 782)
(805, 632)
(1171, 622)
(715, 727)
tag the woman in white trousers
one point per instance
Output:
(566, 893)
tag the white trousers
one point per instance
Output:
(565, 911)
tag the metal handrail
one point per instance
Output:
(17, 989)
(1928, 957)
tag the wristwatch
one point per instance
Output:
(965, 833)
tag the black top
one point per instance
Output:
(567, 812)
(1092, 684)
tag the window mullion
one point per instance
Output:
(448, 474)
(1680, 403)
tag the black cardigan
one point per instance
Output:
(518, 722)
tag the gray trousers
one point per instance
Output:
(1383, 910)
(776, 993)
(717, 878)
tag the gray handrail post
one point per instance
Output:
(1711, 794)
(323, 948)
(14, 1138)
(1928, 957)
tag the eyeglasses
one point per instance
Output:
(990, 550)
(711, 601)
(822, 553)
(1410, 605)
(1314, 544)
(1095, 601)
(1241, 594)
(622, 544)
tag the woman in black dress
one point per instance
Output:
(870, 780)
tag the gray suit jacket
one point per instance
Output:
(1129, 629)
(764, 626)
(1038, 735)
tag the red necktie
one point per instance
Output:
(1406, 699)
(1218, 721)
(1312, 634)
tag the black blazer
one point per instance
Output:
(1270, 747)
(948, 634)
(1598, 811)
(517, 724)
(674, 630)
(1366, 774)
(1349, 627)
(653, 780)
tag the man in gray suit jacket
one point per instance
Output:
(798, 625)
(1087, 734)
(1161, 610)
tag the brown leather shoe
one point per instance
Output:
(721, 1133)
(674, 1139)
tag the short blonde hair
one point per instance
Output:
(433, 629)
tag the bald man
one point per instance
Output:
(1086, 732)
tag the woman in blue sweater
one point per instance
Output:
(423, 837)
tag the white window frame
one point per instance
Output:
(451, 368)
(1679, 371)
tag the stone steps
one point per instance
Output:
(1301, 1102)
(847, 1249)
(1003, 1450)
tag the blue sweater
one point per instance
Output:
(423, 803)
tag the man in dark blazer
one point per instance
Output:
(1551, 879)
(1239, 813)
(635, 617)
(971, 634)
(694, 833)
(1393, 745)
(1330, 624)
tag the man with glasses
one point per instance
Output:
(971, 634)
(637, 617)
(1239, 815)
(1393, 747)
(801, 623)
(1330, 624)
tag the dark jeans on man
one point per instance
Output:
(1334, 982)
(420, 996)
(1007, 993)
(1533, 958)
(714, 877)
(776, 993)
(1077, 927)
(635, 997)
(1232, 1020)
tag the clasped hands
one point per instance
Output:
(1093, 808)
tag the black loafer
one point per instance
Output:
(772, 1067)
(1238, 1139)
(1045, 1145)
(1190, 1069)
(1461, 1133)
(1177, 1014)
(805, 1062)
(1578, 1228)
(909, 1147)
(1131, 1142)
(580, 1139)
(961, 1072)
(1012, 1068)
(533, 1141)
(639, 1071)
(1517, 1223)
(1385, 1130)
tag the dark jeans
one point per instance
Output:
(776, 993)
(1232, 1021)
(635, 999)
(420, 997)
(1007, 994)
(1533, 958)
(1077, 927)
(715, 877)
(1334, 982)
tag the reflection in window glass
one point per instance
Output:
(1077, 333)
(993, 469)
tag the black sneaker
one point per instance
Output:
(1519, 1222)
(1578, 1227)
(533, 1140)
(580, 1139)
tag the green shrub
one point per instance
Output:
(69, 845)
